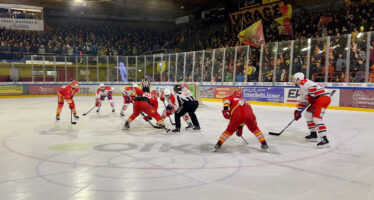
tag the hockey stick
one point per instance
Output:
(244, 139)
(278, 134)
(151, 123)
(71, 117)
(84, 114)
(169, 116)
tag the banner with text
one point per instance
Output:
(291, 95)
(357, 98)
(222, 92)
(263, 94)
(22, 24)
(251, 15)
(11, 89)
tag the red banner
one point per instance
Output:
(357, 98)
(44, 89)
(222, 92)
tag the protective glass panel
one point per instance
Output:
(5, 73)
(157, 68)
(229, 64)
(92, 68)
(49, 66)
(218, 65)
(241, 57)
(317, 59)
(198, 66)
(189, 64)
(60, 68)
(252, 71)
(38, 71)
(165, 68)
(140, 67)
(113, 76)
(268, 62)
(82, 69)
(207, 68)
(103, 68)
(131, 68)
(149, 68)
(283, 62)
(337, 58)
(300, 54)
(180, 66)
(173, 68)
(358, 57)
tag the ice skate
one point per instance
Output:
(113, 110)
(196, 128)
(126, 126)
(312, 137)
(217, 147)
(190, 125)
(176, 130)
(57, 117)
(121, 114)
(324, 143)
(264, 146)
(76, 116)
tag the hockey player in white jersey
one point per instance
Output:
(101, 93)
(187, 104)
(171, 107)
(318, 99)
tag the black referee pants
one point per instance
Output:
(190, 108)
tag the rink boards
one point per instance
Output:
(353, 97)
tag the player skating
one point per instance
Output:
(319, 99)
(66, 93)
(102, 92)
(127, 99)
(171, 107)
(186, 104)
(142, 105)
(240, 113)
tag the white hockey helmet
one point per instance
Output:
(167, 92)
(298, 77)
(102, 86)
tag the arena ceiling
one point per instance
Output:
(158, 10)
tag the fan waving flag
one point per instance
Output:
(253, 35)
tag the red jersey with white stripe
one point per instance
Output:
(105, 92)
(234, 103)
(152, 100)
(309, 91)
(67, 92)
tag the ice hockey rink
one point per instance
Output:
(45, 159)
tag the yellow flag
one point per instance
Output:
(253, 35)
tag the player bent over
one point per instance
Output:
(67, 93)
(102, 92)
(171, 107)
(240, 113)
(142, 104)
(186, 104)
(152, 97)
(319, 99)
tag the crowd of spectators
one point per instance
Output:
(110, 39)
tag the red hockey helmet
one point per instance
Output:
(236, 92)
(74, 84)
(155, 93)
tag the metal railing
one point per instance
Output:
(345, 58)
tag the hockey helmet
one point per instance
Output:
(134, 85)
(167, 92)
(297, 77)
(102, 86)
(236, 92)
(74, 84)
(155, 93)
(177, 88)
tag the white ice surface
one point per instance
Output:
(43, 159)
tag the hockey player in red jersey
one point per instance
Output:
(240, 113)
(66, 93)
(152, 97)
(319, 99)
(128, 95)
(143, 105)
(102, 92)
(171, 107)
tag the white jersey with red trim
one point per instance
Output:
(105, 92)
(170, 100)
(309, 91)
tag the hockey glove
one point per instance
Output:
(226, 114)
(239, 132)
(297, 115)
(97, 104)
(146, 118)
(162, 98)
